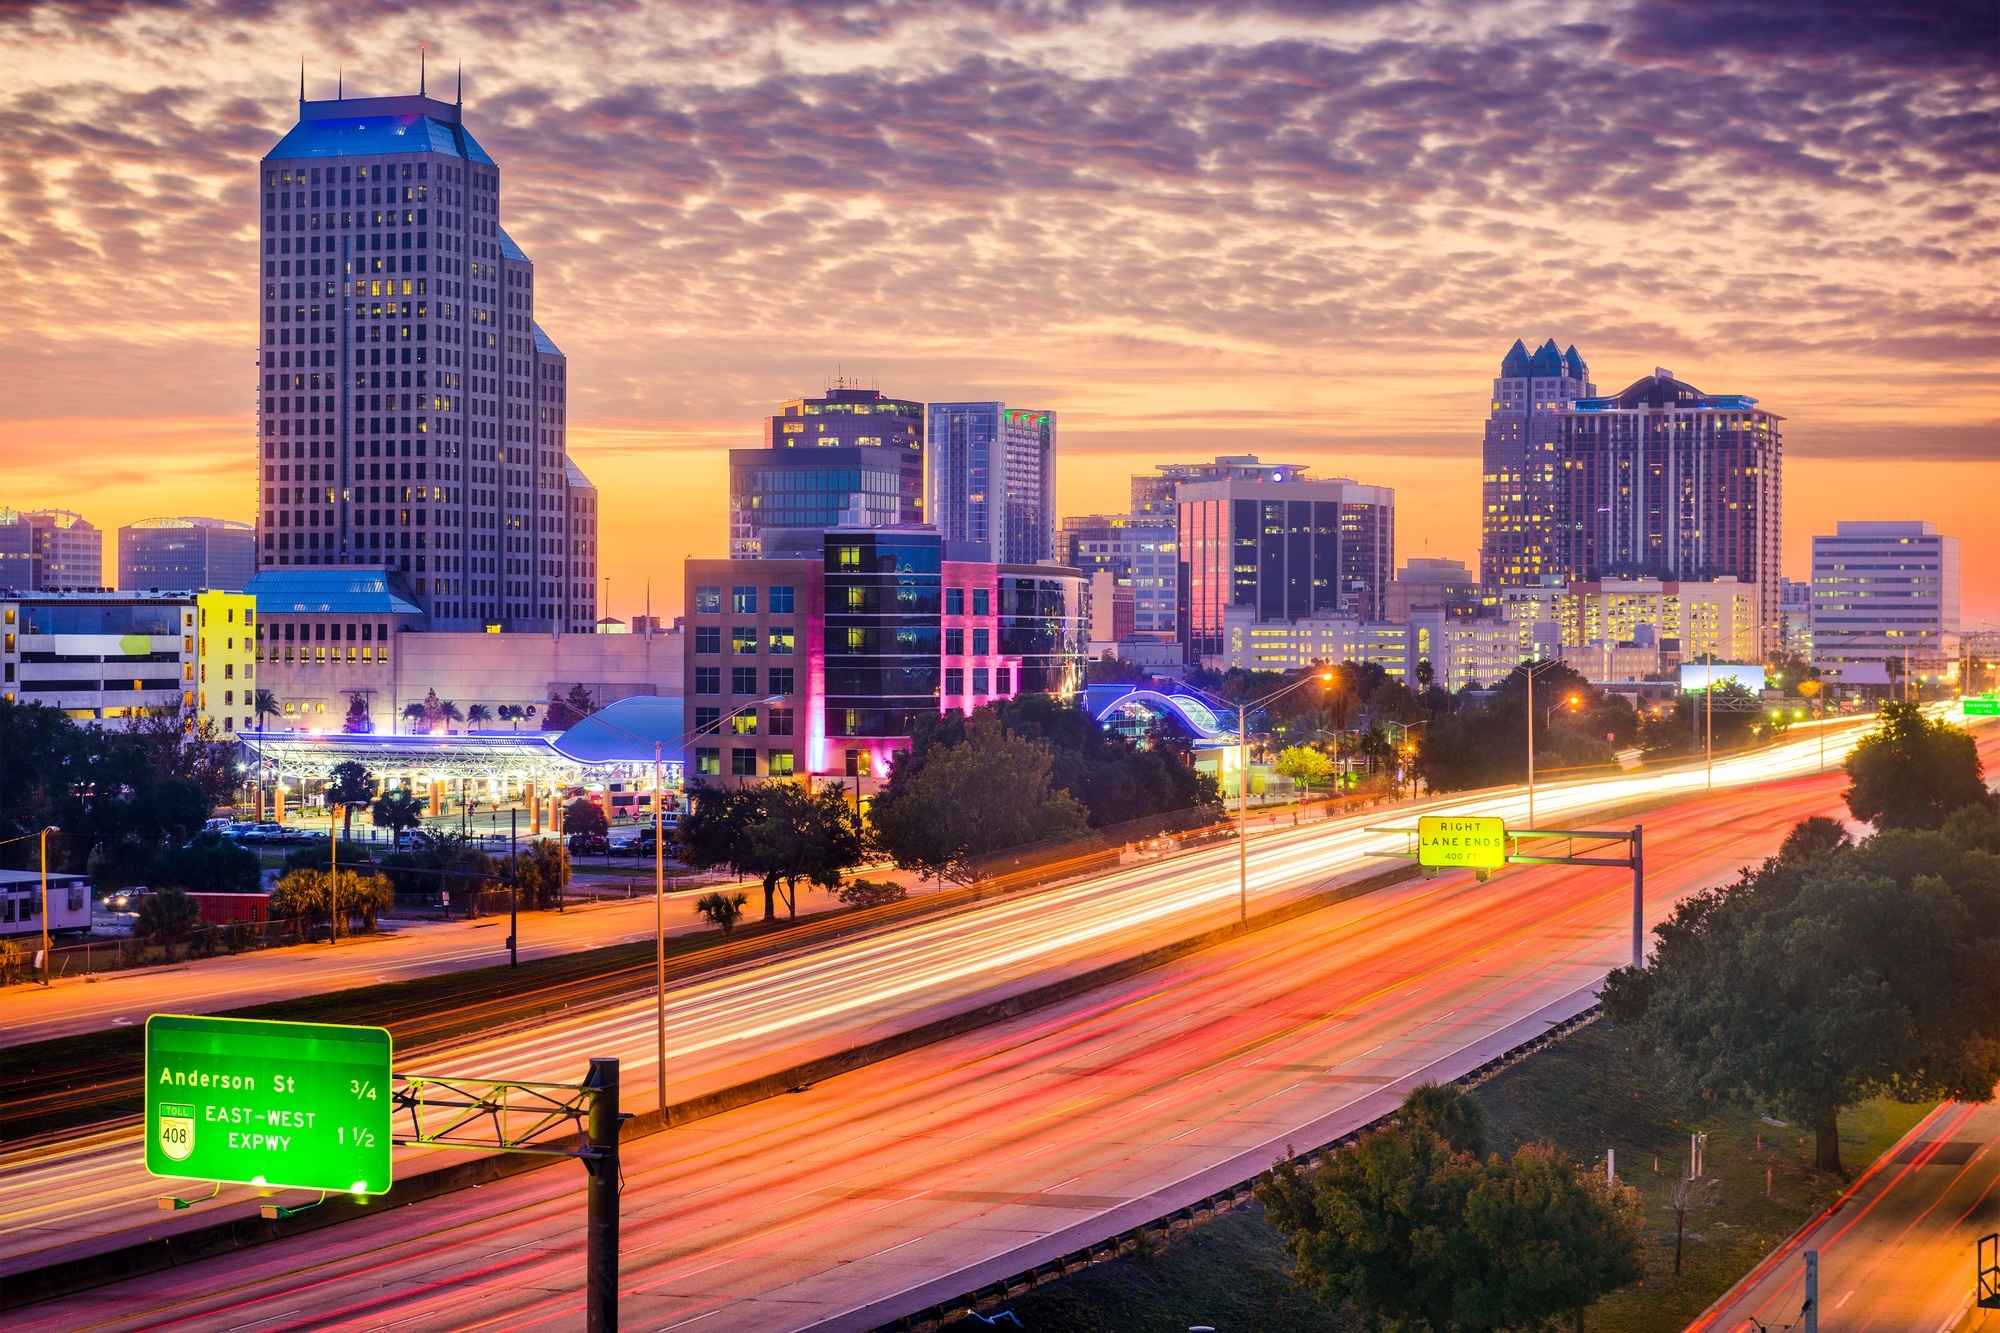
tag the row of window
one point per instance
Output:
(743, 640)
(708, 721)
(743, 680)
(743, 600)
(743, 763)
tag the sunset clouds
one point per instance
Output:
(1306, 230)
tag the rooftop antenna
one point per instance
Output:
(422, 53)
(649, 610)
(461, 84)
(302, 80)
(339, 83)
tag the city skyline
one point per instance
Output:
(1843, 308)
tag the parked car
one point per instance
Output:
(589, 844)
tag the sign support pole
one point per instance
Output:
(601, 1200)
(1638, 896)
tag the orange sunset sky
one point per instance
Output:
(1304, 231)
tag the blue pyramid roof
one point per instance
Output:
(358, 126)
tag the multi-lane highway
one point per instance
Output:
(969, 1147)
(1899, 1251)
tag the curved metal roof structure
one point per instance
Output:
(1199, 719)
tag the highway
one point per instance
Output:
(408, 949)
(1413, 973)
(1897, 1253)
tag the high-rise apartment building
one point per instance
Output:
(1289, 547)
(1522, 472)
(992, 479)
(186, 554)
(1884, 596)
(50, 550)
(1662, 481)
(413, 415)
(851, 458)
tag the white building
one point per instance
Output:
(1292, 645)
(1885, 593)
(412, 413)
(99, 656)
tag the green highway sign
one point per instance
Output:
(288, 1105)
(1463, 842)
(1988, 706)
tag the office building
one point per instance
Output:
(413, 415)
(1427, 581)
(50, 550)
(1254, 644)
(1665, 482)
(1795, 613)
(186, 554)
(850, 458)
(1139, 553)
(822, 666)
(991, 479)
(1522, 466)
(1287, 547)
(1885, 598)
(99, 656)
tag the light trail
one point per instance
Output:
(810, 1207)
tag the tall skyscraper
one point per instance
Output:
(50, 550)
(1521, 475)
(992, 479)
(186, 554)
(1885, 595)
(1290, 548)
(413, 415)
(852, 458)
(1140, 553)
(1663, 481)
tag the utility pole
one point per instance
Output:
(48, 970)
(660, 929)
(601, 1199)
(1810, 1310)
(1243, 812)
(1638, 846)
(514, 891)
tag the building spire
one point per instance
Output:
(302, 80)
(423, 54)
(339, 83)
(461, 85)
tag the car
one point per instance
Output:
(216, 826)
(589, 844)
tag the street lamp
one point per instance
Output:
(48, 971)
(660, 875)
(1531, 670)
(1243, 781)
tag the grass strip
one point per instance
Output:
(1587, 1093)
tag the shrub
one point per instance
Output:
(867, 893)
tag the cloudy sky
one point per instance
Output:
(1302, 230)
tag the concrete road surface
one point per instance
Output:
(1896, 1255)
(928, 1174)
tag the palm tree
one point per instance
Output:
(477, 713)
(266, 705)
(349, 785)
(398, 811)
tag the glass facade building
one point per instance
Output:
(992, 479)
(884, 632)
(186, 554)
(1522, 469)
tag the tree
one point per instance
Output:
(209, 864)
(871, 893)
(986, 794)
(310, 895)
(265, 704)
(1487, 747)
(797, 835)
(477, 714)
(1686, 1195)
(1305, 765)
(538, 872)
(349, 784)
(357, 722)
(167, 914)
(584, 816)
(569, 710)
(1838, 974)
(415, 713)
(398, 811)
(723, 910)
(1912, 772)
(1429, 1236)
(716, 831)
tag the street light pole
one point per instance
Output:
(333, 874)
(660, 933)
(1242, 811)
(48, 971)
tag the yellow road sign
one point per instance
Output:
(1465, 842)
